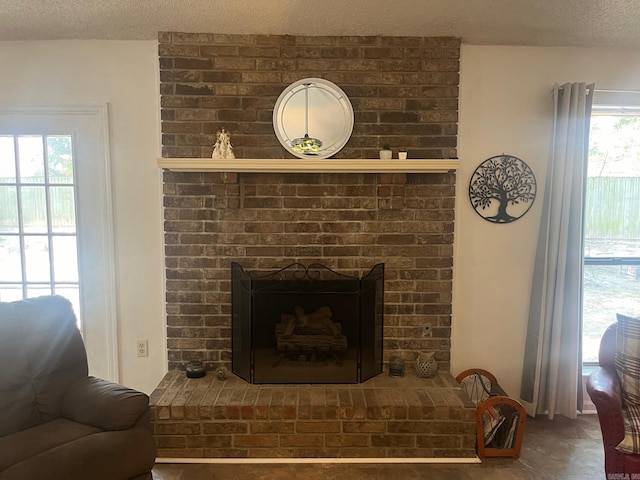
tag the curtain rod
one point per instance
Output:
(617, 91)
(601, 90)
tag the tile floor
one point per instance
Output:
(561, 449)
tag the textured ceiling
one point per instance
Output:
(588, 23)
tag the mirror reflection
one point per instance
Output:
(313, 118)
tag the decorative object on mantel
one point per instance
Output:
(426, 365)
(386, 153)
(223, 148)
(402, 155)
(313, 106)
(306, 145)
(502, 189)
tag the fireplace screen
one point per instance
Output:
(307, 325)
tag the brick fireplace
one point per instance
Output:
(404, 91)
(348, 222)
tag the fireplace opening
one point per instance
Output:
(306, 325)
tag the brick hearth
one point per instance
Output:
(382, 418)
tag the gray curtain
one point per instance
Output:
(552, 370)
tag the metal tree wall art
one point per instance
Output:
(502, 189)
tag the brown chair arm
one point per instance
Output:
(103, 404)
(603, 387)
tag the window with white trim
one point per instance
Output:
(611, 278)
(38, 234)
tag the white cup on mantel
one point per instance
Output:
(402, 155)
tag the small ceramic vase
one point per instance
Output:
(385, 154)
(196, 369)
(426, 365)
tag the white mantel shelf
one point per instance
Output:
(296, 165)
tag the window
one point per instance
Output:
(38, 247)
(611, 279)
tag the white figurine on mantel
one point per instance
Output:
(223, 147)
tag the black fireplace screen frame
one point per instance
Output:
(274, 313)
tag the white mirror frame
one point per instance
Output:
(336, 115)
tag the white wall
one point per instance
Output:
(123, 75)
(506, 107)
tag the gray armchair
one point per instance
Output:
(56, 422)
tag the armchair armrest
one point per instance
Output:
(103, 404)
(603, 387)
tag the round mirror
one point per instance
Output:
(313, 118)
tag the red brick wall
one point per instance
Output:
(403, 90)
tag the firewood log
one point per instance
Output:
(310, 342)
(321, 316)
